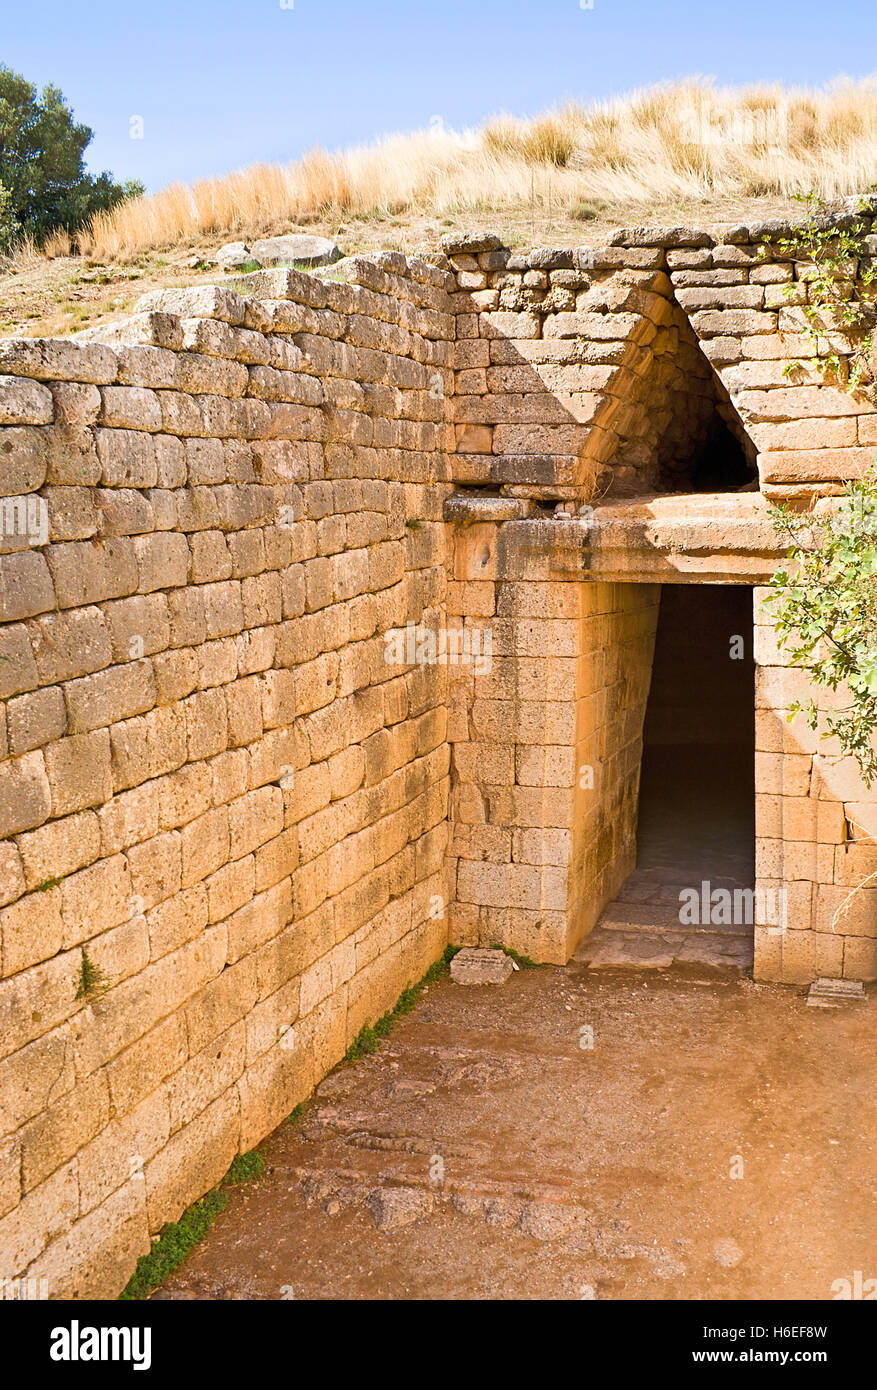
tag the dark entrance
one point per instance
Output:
(689, 902)
(697, 792)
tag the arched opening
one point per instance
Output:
(720, 464)
(680, 432)
(704, 447)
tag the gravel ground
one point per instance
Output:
(620, 1135)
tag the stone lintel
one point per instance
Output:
(671, 539)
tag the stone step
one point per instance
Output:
(668, 894)
(830, 993)
(661, 918)
(607, 949)
(641, 916)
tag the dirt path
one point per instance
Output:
(572, 1171)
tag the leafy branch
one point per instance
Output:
(838, 280)
(824, 608)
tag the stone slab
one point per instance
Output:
(295, 250)
(830, 994)
(476, 965)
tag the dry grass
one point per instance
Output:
(57, 243)
(684, 141)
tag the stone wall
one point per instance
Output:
(546, 756)
(307, 581)
(584, 378)
(577, 368)
(214, 789)
(816, 833)
(746, 297)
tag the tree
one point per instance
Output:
(824, 609)
(43, 180)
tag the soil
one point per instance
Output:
(54, 298)
(568, 1170)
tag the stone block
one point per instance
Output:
(52, 359)
(96, 899)
(177, 920)
(860, 958)
(477, 966)
(205, 845)
(55, 1136)
(26, 586)
(31, 930)
(12, 883)
(129, 818)
(162, 561)
(806, 955)
(79, 773)
(155, 866)
(112, 1159)
(36, 719)
(34, 1001)
(98, 1256)
(43, 1216)
(25, 797)
(86, 572)
(25, 402)
(193, 1161)
(110, 696)
(18, 669)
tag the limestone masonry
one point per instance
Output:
(328, 609)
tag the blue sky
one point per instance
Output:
(224, 84)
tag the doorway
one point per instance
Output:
(689, 900)
(697, 788)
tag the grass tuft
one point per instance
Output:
(522, 962)
(46, 884)
(93, 980)
(175, 1240)
(244, 1168)
(370, 1037)
(173, 1243)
